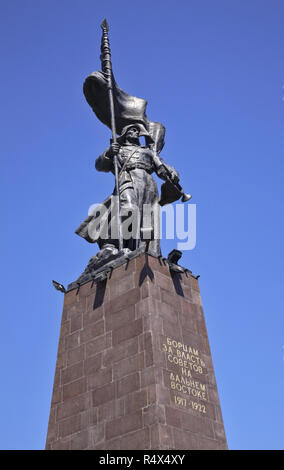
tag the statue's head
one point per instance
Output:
(132, 132)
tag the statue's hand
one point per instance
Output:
(174, 177)
(167, 172)
(162, 173)
(113, 150)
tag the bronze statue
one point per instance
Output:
(132, 164)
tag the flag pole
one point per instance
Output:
(107, 70)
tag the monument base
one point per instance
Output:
(134, 368)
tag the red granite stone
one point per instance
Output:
(128, 384)
(128, 365)
(76, 323)
(136, 400)
(73, 372)
(92, 315)
(104, 394)
(111, 410)
(99, 378)
(70, 425)
(93, 364)
(115, 320)
(127, 348)
(138, 440)
(93, 330)
(134, 368)
(80, 441)
(123, 425)
(123, 300)
(126, 332)
(75, 388)
(72, 406)
(75, 355)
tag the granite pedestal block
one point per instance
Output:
(134, 368)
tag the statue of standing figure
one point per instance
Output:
(137, 188)
(136, 213)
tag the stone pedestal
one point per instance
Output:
(134, 369)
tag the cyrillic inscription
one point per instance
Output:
(188, 359)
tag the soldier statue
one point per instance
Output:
(137, 187)
(132, 164)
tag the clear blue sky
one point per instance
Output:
(213, 74)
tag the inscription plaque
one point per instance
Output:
(185, 389)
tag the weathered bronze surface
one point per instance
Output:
(133, 207)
